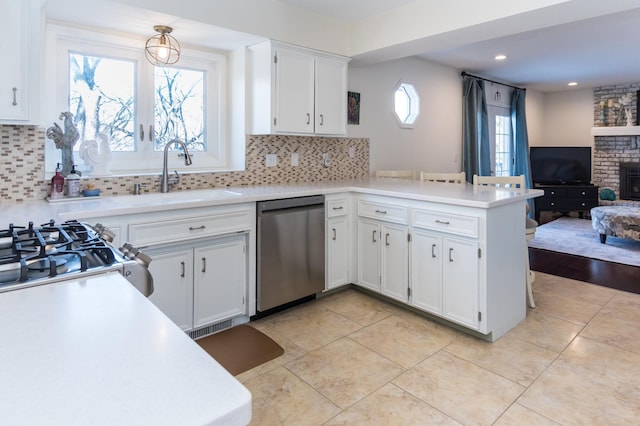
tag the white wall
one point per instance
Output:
(437, 136)
(568, 118)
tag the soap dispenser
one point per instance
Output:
(73, 183)
(57, 185)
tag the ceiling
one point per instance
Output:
(593, 52)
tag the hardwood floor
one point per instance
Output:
(608, 274)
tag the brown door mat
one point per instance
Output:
(240, 348)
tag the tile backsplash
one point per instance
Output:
(22, 159)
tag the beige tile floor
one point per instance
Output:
(354, 359)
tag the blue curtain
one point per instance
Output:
(520, 142)
(476, 152)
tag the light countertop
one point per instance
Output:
(95, 351)
(86, 208)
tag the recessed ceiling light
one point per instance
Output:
(500, 57)
(573, 83)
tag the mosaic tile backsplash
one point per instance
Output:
(22, 165)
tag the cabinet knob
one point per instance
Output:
(334, 234)
(374, 237)
(433, 250)
(15, 96)
(386, 239)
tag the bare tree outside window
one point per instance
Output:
(102, 98)
(179, 107)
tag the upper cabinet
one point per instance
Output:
(292, 90)
(19, 75)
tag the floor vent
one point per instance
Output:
(210, 329)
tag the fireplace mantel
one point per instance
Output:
(616, 131)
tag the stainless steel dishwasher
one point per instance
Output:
(290, 251)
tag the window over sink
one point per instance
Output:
(105, 81)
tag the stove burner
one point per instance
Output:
(28, 253)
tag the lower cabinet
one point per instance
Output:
(445, 276)
(383, 258)
(203, 283)
(338, 240)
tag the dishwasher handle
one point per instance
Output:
(289, 203)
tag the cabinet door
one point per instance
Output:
(331, 96)
(369, 254)
(395, 262)
(294, 97)
(220, 280)
(337, 252)
(460, 269)
(426, 271)
(172, 272)
(14, 90)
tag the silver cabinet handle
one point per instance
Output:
(443, 222)
(321, 119)
(15, 96)
(141, 132)
(433, 250)
(450, 253)
(381, 211)
(204, 265)
(308, 118)
(183, 269)
(196, 228)
(386, 239)
(337, 208)
(374, 237)
(150, 132)
(334, 233)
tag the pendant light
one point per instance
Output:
(162, 48)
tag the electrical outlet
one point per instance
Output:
(325, 160)
(294, 159)
(352, 152)
(455, 157)
(271, 160)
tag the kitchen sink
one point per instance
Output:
(175, 197)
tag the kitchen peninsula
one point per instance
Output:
(462, 259)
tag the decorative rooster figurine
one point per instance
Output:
(65, 141)
(96, 155)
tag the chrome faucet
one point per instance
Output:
(165, 180)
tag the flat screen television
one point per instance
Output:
(560, 165)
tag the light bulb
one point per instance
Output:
(163, 52)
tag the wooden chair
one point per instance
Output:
(499, 181)
(443, 177)
(530, 224)
(402, 174)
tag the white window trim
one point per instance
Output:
(415, 105)
(60, 38)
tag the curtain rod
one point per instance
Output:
(463, 73)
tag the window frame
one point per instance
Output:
(413, 98)
(62, 39)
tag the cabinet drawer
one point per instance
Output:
(381, 211)
(338, 207)
(446, 222)
(161, 232)
(555, 192)
(586, 192)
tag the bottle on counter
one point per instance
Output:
(73, 183)
(57, 185)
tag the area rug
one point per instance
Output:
(576, 236)
(240, 348)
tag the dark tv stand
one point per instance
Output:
(566, 198)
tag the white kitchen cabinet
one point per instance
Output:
(445, 266)
(293, 90)
(338, 242)
(460, 290)
(200, 284)
(383, 259)
(219, 285)
(19, 75)
(172, 271)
